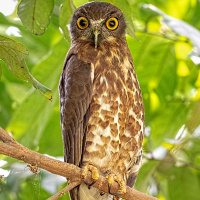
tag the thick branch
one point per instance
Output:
(11, 148)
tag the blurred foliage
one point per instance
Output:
(166, 56)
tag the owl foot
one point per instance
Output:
(95, 174)
(111, 178)
(102, 193)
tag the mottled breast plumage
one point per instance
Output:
(115, 128)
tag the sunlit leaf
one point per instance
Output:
(182, 28)
(154, 101)
(35, 14)
(197, 95)
(178, 26)
(182, 69)
(14, 54)
(193, 119)
(197, 83)
(182, 50)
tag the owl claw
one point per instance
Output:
(95, 174)
(111, 178)
(102, 193)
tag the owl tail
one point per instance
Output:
(92, 193)
(74, 193)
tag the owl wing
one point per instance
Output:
(135, 169)
(75, 90)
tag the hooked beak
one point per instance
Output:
(96, 34)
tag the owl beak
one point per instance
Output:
(96, 34)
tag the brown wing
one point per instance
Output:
(75, 90)
(75, 96)
(135, 170)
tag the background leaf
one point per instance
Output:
(185, 189)
(0, 72)
(35, 15)
(13, 54)
(67, 9)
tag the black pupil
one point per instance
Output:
(82, 22)
(112, 23)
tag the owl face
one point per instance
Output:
(96, 22)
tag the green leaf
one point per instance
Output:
(168, 121)
(177, 26)
(66, 13)
(31, 187)
(193, 119)
(33, 116)
(126, 8)
(184, 29)
(5, 106)
(14, 54)
(41, 88)
(145, 175)
(35, 14)
(0, 72)
(183, 184)
(52, 135)
(150, 11)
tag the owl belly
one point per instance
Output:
(115, 128)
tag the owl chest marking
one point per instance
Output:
(115, 130)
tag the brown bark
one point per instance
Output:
(11, 148)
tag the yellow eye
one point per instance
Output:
(112, 23)
(82, 23)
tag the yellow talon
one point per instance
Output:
(111, 178)
(95, 173)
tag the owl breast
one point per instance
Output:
(116, 125)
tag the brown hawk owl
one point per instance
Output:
(102, 116)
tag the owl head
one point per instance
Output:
(96, 22)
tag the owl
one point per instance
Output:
(101, 106)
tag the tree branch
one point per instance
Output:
(11, 148)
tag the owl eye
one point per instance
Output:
(112, 23)
(82, 23)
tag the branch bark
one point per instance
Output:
(10, 147)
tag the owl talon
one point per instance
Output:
(95, 174)
(111, 178)
(102, 193)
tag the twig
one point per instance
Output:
(163, 35)
(64, 191)
(11, 148)
(171, 160)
